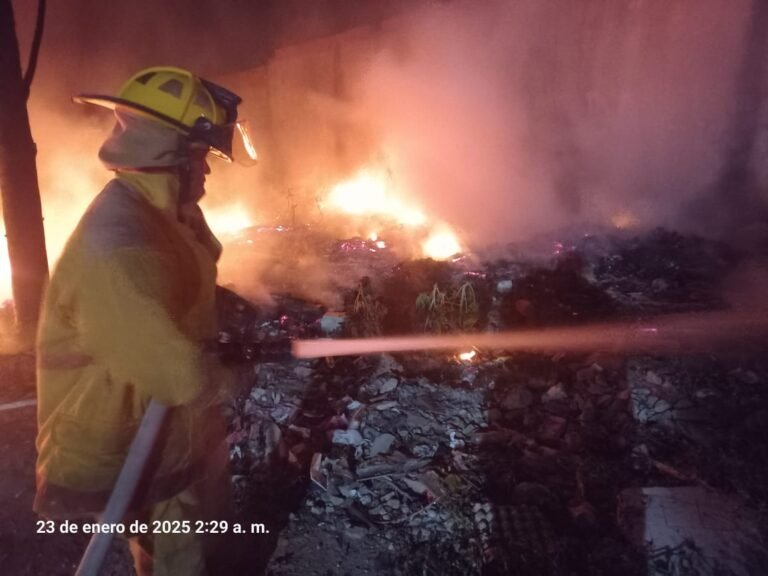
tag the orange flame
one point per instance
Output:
(368, 193)
(228, 219)
(372, 192)
(441, 244)
(68, 182)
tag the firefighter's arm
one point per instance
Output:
(128, 325)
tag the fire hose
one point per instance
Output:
(690, 330)
(133, 468)
(125, 487)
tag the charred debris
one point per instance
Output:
(499, 463)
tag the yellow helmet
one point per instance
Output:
(199, 109)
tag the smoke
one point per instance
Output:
(511, 119)
(504, 119)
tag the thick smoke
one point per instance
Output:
(517, 118)
(505, 119)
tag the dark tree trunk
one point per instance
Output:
(22, 210)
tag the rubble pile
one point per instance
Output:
(560, 295)
(490, 470)
(489, 463)
(703, 418)
(600, 277)
(665, 271)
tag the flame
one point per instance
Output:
(68, 182)
(467, 356)
(369, 193)
(372, 192)
(69, 179)
(228, 219)
(441, 244)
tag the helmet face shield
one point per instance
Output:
(223, 98)
(231, 139)
(232, 142)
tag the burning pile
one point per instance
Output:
(367, 206)
(372, 194)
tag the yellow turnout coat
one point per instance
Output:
(129, 315)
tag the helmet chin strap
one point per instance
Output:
(185, 193)
(183, 171)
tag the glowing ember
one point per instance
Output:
(441, 244)
(369, 193)
(229, 219)
(624, 220)
(467, 356)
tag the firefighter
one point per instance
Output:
(129, 315)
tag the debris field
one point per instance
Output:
(497, 462)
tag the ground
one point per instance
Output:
(593, 461)
(22, 550)
(333, 527)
